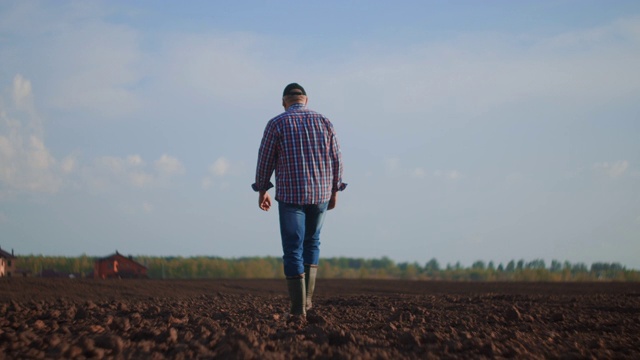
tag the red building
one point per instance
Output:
(118, 266)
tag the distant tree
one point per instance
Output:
(355, 263)
(432, 266)
(511, 266)
(556, 266)
(384, 263)
(607, 270)
(409, 271)
(604, 267)
(536, 264)
(478, 265)
(579, 268)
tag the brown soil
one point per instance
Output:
(351, 319)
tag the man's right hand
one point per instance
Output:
(264, 201)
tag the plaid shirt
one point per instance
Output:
(301, 146)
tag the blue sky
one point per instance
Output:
(470, 130)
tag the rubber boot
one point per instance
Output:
(310, 272)
(297, 294)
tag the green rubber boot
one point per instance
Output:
(310, 272)
(297, 294)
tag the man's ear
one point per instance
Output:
(284, 105)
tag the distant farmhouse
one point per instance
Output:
(118, 266)
(7, 263)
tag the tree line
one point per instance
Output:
(205, 267)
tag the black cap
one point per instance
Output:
(293, 86)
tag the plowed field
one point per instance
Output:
(351, 319)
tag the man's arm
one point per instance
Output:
(265, 167)
(336, 159)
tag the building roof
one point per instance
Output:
(7, 255)
(117, 254)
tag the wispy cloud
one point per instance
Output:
(147, 207)
(98, 79)
(216, 67)
(131, 170)
(220, 168)
(614, 170)
(92, 64)
(475, 73)
(27, 165)
(25, 162)
(392, 166)
(169, 165)
(419, 173)
(22, 96)
(108, 170)
(68, 164)
(448, 174)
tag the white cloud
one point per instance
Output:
(220, 167)
(169, 165)
(472, 74)
(147, 207)
(81, 60)
(39, 157)
(131, 170)
(27, 165)
(207, 183)
(25, 162)
(419, 173)
(217, 67)
(613, 170)
(114, 170)
(111, 163)
(140, 179)
(447, 174)
(135, 160)
(392, 166)
(68, 164)
(97, 68)
(22, 93)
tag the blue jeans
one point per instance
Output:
(300, 227)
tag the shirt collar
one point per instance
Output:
(296, 106)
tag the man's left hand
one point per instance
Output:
(333, 201)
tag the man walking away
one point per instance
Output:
(300, 145)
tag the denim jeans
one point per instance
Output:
(300, 227)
